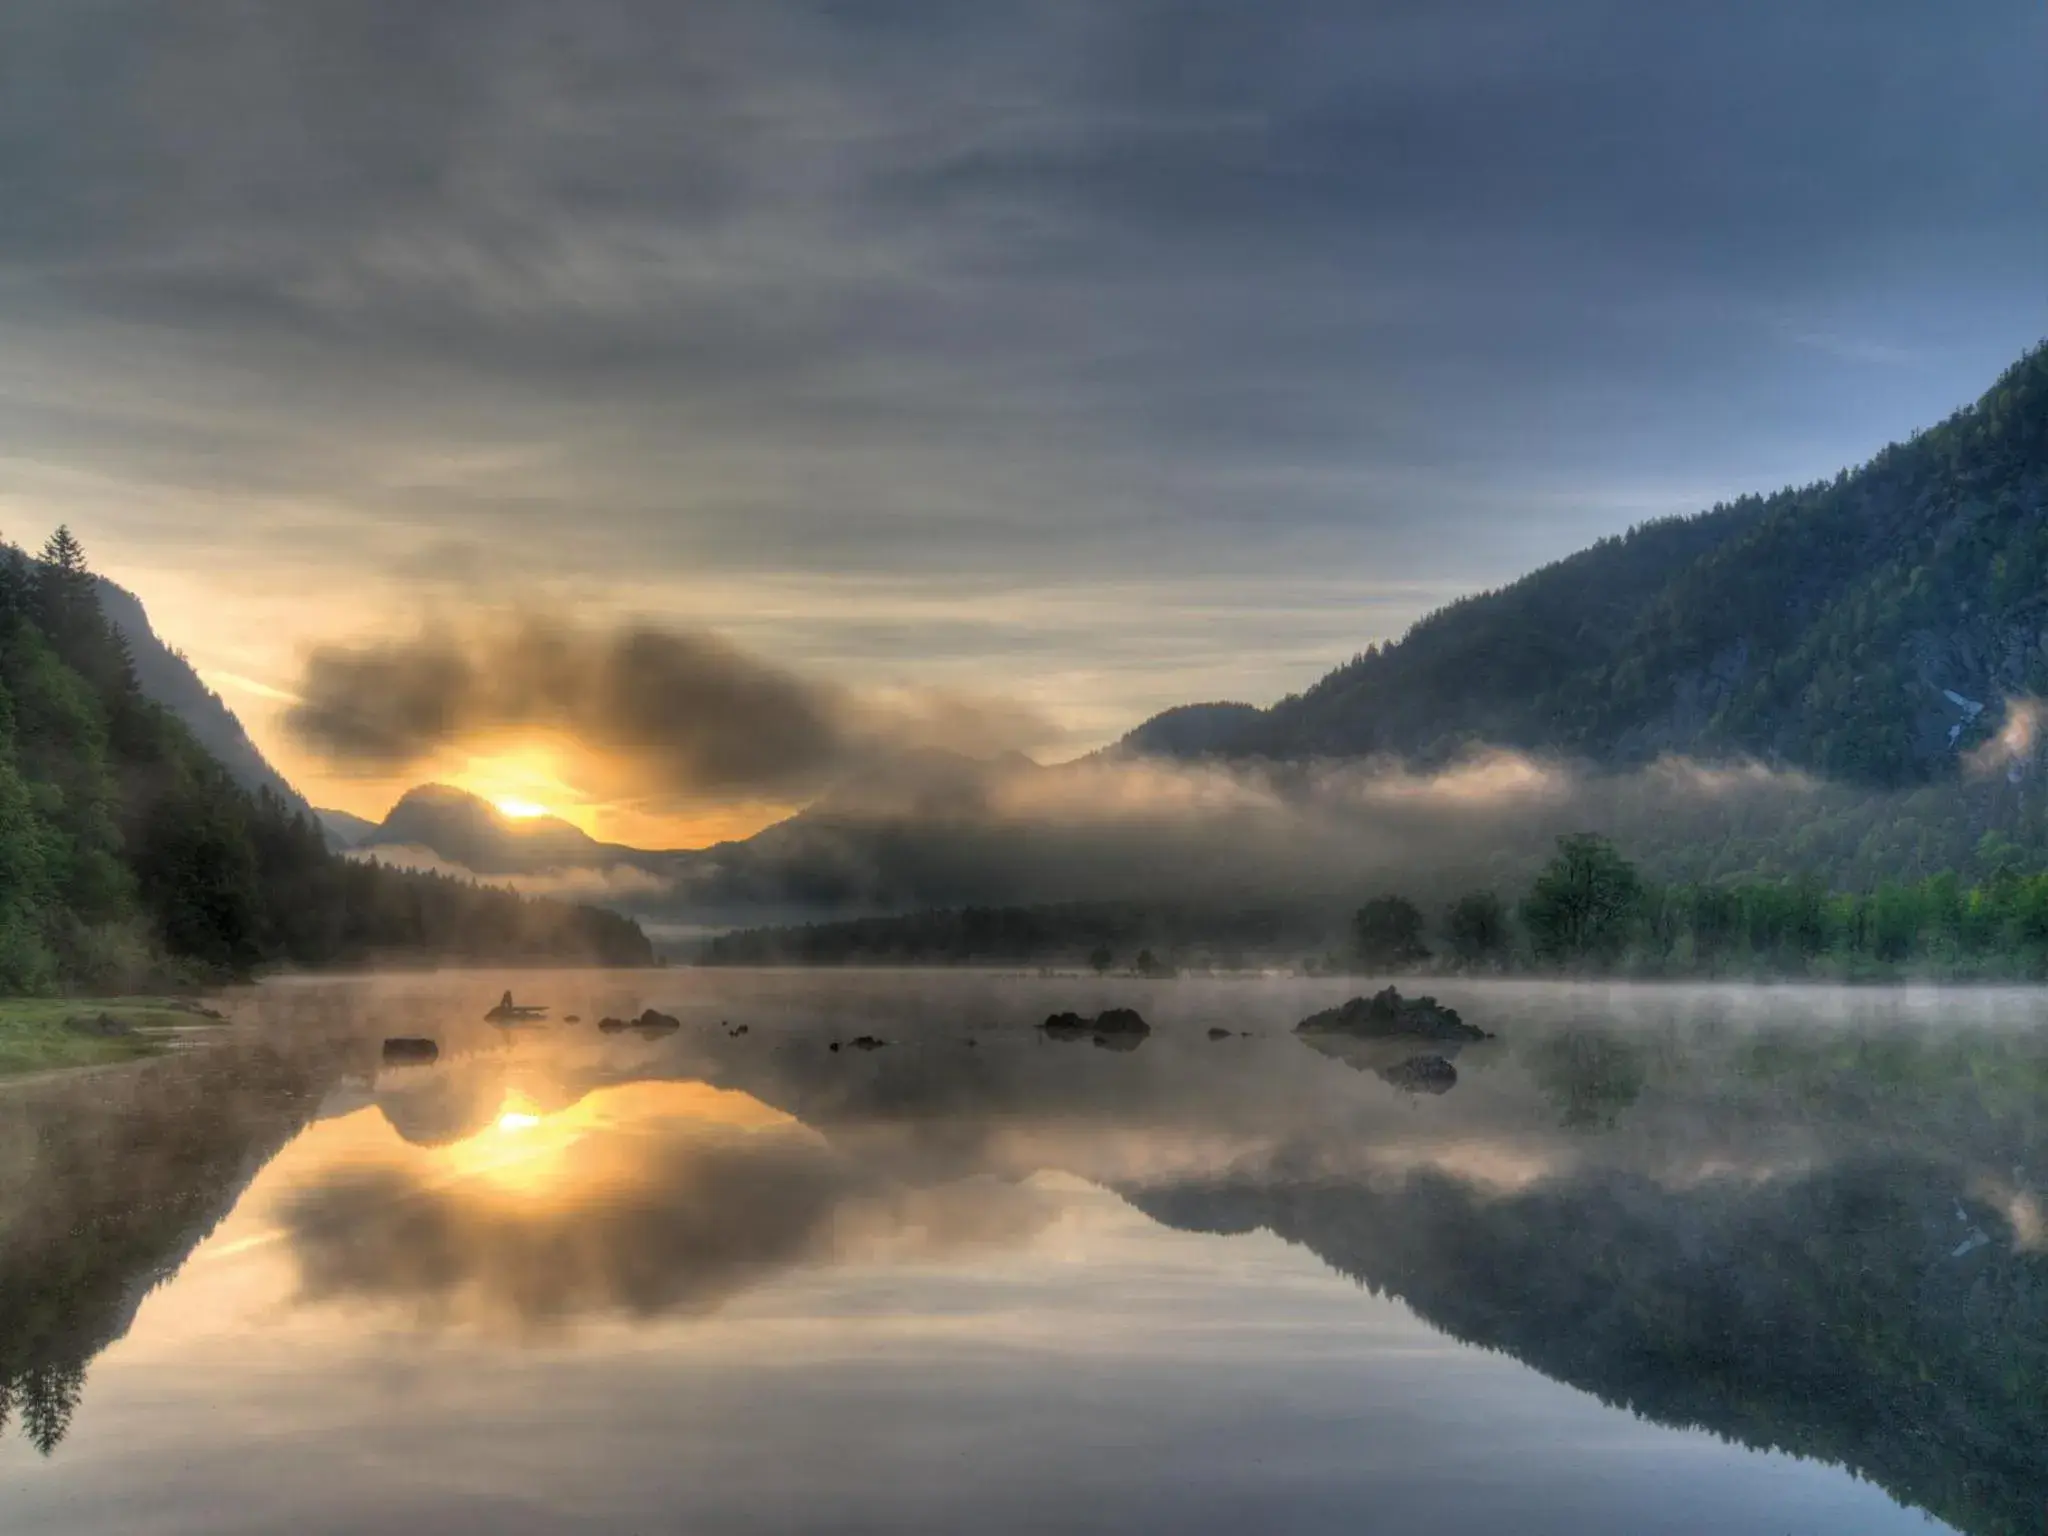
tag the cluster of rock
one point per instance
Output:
(1115, 1029)
(1378, 1034)
(1387, 1015)
(652, 1022)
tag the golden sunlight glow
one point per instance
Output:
(535, 1154)
(522, 777)
(539, 774)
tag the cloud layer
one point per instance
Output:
(1150, 352)
(1313, 835)
(655, 713)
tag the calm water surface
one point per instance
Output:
(1657, 1260)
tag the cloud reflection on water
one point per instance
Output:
(644, 1200)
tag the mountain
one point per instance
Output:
(464, 829)
(1870, 628)
(343, 829)
(130, 857)
(469, 831)
(1192, 730)
(834, 850)
(167, 678)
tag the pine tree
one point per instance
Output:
(67, 607)
(17, 585)
(63, 581)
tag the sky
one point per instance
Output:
(1079, 359)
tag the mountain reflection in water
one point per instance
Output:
(1803, 1222)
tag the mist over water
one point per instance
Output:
(1693, 1259)
(939, 830)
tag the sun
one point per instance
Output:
(520, 810)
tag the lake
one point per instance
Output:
(1653, 1259)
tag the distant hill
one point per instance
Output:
(472, 832)
(1192, 730)
(1869, 628)
(167, 678)
(462, 828)
(343, 829)
(1872, 629)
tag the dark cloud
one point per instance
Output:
(1028, 294)
(662, 713)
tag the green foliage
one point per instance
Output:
(1818, 627)
(1476, 929)
(1149, 964)
(38, 1034)
(127, 854)
(1941, 926)
(1386, 933)
(1584, 905)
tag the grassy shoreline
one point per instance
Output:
(42, 1034)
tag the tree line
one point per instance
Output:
(1591, 910)
(129, 856)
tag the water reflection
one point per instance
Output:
(644, 1199)
(1402, 1064)
(1799, 1230)
(107, 1181)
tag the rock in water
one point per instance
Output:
(1121, 1021)
(1114, 1029)
(1421, 1074)
(612, 1026)
(410, 1050)
(1387, 1015)
(1119, 1024)
(1219, 1034)
(1067, 1026)
(654, 1022)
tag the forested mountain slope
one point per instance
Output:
(167, 678)
(1870, 628)
(127, 851)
